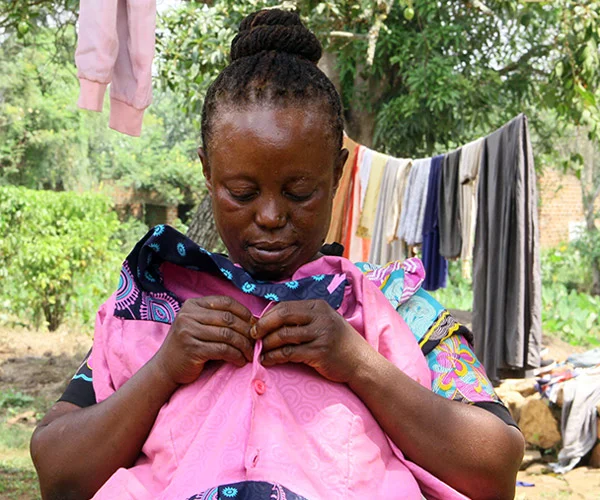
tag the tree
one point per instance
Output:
(47, 143)
(418, 77)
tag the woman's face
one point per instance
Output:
(272, 174)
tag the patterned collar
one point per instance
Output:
(142, 294)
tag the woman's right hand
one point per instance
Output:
(206, 328)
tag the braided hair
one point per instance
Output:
(273, 61)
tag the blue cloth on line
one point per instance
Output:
(436, 267)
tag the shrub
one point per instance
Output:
(49, 243)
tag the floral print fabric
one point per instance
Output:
(456, 373)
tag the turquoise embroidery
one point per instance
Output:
(292, 284)
(227, 273)
(149, 277)
(319, 277)
(158, 230)
(230, 492)
(181, 249)
(155, 247)
(248, 287)
(272, 296)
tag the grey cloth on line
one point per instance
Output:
(578, 421)
(449, 207)
(385, 247)
(506, 262)
(468, 172)
(410, 228)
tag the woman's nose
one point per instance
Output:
(271, 214)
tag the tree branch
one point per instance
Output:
(524, 59)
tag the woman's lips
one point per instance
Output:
(271, 255)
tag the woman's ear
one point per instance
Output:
(339, 167)
(205, 168)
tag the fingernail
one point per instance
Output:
(253, 333)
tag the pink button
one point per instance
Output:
(259, 386)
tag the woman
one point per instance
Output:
(280, 373)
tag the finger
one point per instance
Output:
(217, 351)
(221, 318)
(288, 354)
(225, 303)
(225, 335)
(289, 313)
(288, 335)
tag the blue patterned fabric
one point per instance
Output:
(248, 490)
(142, 295)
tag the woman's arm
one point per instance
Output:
(76, 450)
(466, 447)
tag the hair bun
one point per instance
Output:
(276, 30)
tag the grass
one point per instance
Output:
(18, 479)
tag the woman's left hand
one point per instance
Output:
(311, 332)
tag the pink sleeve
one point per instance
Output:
(131, 89)
(116, 46)
(106, 327)
(97, 48)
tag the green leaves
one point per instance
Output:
(50, 240)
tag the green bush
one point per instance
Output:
(565, 265)
(567, 311)
(52, 245)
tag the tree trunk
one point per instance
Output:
(202, 228)
(359, 123)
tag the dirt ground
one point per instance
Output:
(39, 364)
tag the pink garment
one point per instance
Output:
(116, 46)
(283, 424)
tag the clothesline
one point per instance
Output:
(477, 203)
(393, 194)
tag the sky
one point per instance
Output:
(165, 4)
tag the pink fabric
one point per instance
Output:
(116, 45)
(284, 424)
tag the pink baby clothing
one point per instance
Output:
(284, 424)
(116, 45)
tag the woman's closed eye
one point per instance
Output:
(298, 196)
(243, 195)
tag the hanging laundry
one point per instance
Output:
(410, 228)
(449, 207)
(356, 249)
(364, 173)
(436, 267)
(341, 201)
(366, 222)
(579, 421)
(468, 173)
(506, 267)
(116, 45)
(385, 247)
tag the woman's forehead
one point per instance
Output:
(274, 125)
(271, 135)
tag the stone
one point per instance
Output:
(530, 457)
(538, 425)
(526, 387)
(514, 402)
